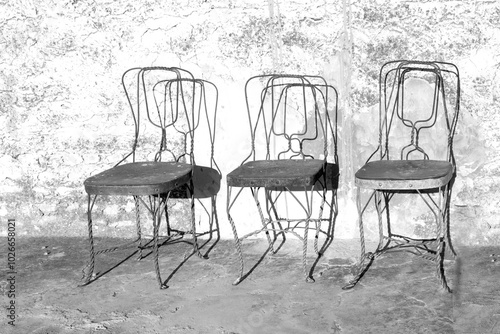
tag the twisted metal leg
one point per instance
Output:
(158, 205)
(273, 212)
(331, 221)
(138, 224)
(378, 203)
(318, 224)
(446, 223)
(362, 265)
(235, 233)
(88, 270)
(255, 192)
(442, 234)
(309, 278)
(196, 249)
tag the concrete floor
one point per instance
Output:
(399, 294)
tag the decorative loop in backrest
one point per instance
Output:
(414, 109)
(167, 105)
(291, 116)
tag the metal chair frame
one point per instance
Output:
(435, 193)
(280, 89)
(165, 95)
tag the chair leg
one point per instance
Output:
(235, 233)
(332, 216)
(196, 249)
(88, 270)
(213, 220)
(167, 223)
(138, 224)
(442, 235)
(157, 209)
(360, 224)
(440, 266)
(308, 212)
(318, 224)
(363, 264)
(378, 204)
(255, 192)
(309, 278)
(447, 220)
(273, 212)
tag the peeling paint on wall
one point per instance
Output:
(63, 116)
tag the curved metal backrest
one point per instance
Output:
(168, 105)
(291, 117)
(419, 104)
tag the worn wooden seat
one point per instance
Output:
(277, 173)
(404, 174)
(139, 178)
(206, 184)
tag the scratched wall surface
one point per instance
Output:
(63, 116)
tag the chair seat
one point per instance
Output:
(139, 178)
(206, 183)
(404, 174)
(276, 173)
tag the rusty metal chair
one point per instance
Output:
(419, 104)
(168, 105)
(293, 158)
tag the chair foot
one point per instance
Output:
(444, 283)
(349, 285)
(140, 256)
(352, 283)
(201, 256)
(454, 254)
(197, 252)
(163, 286)
(86, 280)
(310, 279)
(88, 274)
(362, 269)
(237, 281)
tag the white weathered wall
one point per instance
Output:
(63, 115)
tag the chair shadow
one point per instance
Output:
(324, 247)
(187, 257)
(168, 241)
(262, 257)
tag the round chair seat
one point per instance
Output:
(404, 174)
(139, 178)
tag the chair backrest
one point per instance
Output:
(169, 106)
(419, 104)
(291, 117)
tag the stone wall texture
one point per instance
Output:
(63, 115)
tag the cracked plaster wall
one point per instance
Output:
(63, 116)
